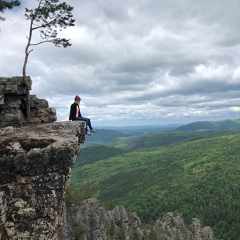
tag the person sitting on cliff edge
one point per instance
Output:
(75, 115)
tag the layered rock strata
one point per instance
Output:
(13, 104)
(35, 167)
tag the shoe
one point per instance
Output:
(93, 130)
(88, 133)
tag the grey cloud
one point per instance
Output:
(152, 60)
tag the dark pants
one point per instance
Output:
(87, 120)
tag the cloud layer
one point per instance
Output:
(144, 62)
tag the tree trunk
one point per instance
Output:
(27, 91)
(27, 52)
(28, 120)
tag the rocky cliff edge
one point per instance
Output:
(35, 167)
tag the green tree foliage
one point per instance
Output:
(168, 138)
(153, 235)
(48, 18)
(74, 195)
(7, 5)
(198, 177)
(110, 205)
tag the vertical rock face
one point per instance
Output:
(35, 166)
(13, 104)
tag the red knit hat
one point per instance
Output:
(77, 98)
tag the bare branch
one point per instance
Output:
(35, 44)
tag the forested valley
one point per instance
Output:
(195, 173)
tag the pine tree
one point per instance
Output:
(49, 17)
(7, 5)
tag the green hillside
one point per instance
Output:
(164, 138)
(90, 155)
(145, 129)
(132, 137)
(103, 136)
(215, 125)
(198, 177)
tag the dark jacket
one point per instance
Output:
(73, 109)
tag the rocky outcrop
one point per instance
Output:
(87, 220)
(173, 227)
(35, 167)
(13, 104)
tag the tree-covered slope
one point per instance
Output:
(90, 155)
(165, 138)
(198, 178)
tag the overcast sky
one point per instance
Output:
(142, 62)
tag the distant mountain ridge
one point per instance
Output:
(143, 136)
(140, 130)
(228, 125)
